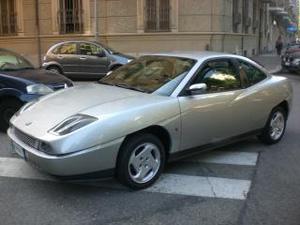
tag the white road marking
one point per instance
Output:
(227, 157)
(19, 168)
(202, 186)
(169, 183)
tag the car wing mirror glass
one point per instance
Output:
(197, 88)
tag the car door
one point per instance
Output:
(65, 55)
(254, 104)
(92, 60)
(209, 117)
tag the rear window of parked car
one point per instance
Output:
(69, 48)
(250, 75)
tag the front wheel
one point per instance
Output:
(275, 127)
(141, 161)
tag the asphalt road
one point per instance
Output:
(246, 183)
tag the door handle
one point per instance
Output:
(60, 57)
(82, 58)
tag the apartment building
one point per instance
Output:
(142, 26)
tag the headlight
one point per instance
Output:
(25, 107)
(72, 123)
(129, 60)
(39, 89)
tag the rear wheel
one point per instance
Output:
(275, 127)
(7, 109)
(141, 161)
(55, 69)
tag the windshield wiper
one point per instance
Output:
(129, 87)
(105, 83)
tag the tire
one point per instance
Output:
(55, 69)
(7, 109)
(272, 134)
(142, 171)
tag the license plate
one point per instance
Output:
(287, 63)
(19, 150)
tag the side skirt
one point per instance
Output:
(204, 148)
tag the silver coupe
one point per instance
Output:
(153, 110)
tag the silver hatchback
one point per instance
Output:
(83, 59)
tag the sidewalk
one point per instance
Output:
(271, 62)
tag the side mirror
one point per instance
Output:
(197, 88)
(100, 54)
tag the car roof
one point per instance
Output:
(202, 56)
(198, 55)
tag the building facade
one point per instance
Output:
(245, 27)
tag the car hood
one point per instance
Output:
(54, 108)
(39, 76)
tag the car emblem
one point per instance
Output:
(28, 124)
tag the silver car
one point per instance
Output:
(155, 109)
(83, 59)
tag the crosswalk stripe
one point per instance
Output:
(18, 168)
(227, 157)
(200, 186)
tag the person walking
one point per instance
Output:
(279, 45)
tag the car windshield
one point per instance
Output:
(10, 61)
(150, 74)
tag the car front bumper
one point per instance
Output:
(87, 161)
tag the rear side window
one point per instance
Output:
(66, 49)
(219, 76)
(250, 75)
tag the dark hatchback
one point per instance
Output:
(290, 60)
(83, 59)
(20, 83)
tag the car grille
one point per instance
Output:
(26, 139)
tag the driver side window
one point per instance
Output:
(89, 49)
(219, 76)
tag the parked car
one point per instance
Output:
(21, 83)
(157, 108)
(83, 59)
(290, 60)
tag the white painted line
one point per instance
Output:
(18, 168)
(227, 157)
(202, 186)
(212, 187)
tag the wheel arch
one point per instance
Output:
(285, 105)
(53, 64)
(158, 131)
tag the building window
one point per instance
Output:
(70, 16)
(8, 25)
(157, 15)
(246, 19)
(255, 24)
(236, 16)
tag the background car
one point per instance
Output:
(290, 60)
(83, 59)
(163, 107)
(21, 83)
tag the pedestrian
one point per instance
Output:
(279, 45)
